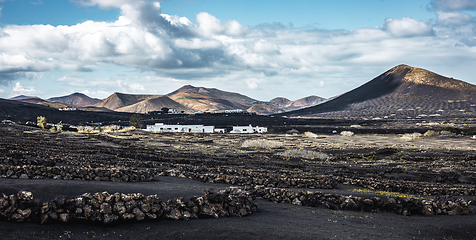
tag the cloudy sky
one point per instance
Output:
(263, 49)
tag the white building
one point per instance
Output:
(160, 127)
(249, 129)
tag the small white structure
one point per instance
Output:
(249, 129)
(160, 127)
(67, 109)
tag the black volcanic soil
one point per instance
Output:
(446, 163)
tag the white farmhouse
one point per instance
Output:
(160, 127)
(249, 129)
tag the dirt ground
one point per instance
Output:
(445, 162)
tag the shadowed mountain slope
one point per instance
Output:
(402, 91)
(154, 104)
(76, 99)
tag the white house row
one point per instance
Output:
(160, 127)
(249, 129)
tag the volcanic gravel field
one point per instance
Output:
(370, 186)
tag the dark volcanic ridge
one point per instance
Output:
(401, 92)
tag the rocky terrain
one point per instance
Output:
(343, 183)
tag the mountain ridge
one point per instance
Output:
(402, 90)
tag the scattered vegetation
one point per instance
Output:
(430, 133)
(310, 135)
(307, 154)
(41, 122)
(386, 193)
(85, 129)
(347, 133)
(261, 144)
(135, 120)
(411, 136)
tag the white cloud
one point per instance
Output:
(407, 27)
(170, 48)
(453, 18)
(107, 3)
(19, 89)
(453, 5)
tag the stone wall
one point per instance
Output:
(107, 208)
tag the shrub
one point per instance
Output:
(111, 128)
(41, 122)
(447, 133)
(59, 126)
(411, 136)
(310, 135)
(430, 133)
(85, 129)
(261, 143)
(347, 133)
(296, 153)
(135, 120)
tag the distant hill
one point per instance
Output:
(215, 93)
(265, 109)
(76, 99)
(154, 104)
(204, 103)
(400, 92)
(43, 102)
(304, 103)
(279, 101)
(22, 97)
(119, 100)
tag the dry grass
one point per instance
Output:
(310, 135)
(347, 133)
(431, 133)
(296, 153)
(261, 144)
(411, 136)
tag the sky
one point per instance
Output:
(263, 49)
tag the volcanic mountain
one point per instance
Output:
(39, 101)
(154, 104)
(278, 102)
(76, 99)
(264, 109)
(22, 97)
(210, 99)
(118, 100)
(401, 92)
(303, 103)
(139, 103)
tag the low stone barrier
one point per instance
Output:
(405, 206)
(410, 187)
(107, 208)
(114, 174)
